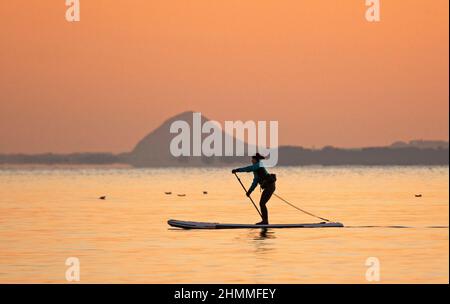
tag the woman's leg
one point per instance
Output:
(265, 197)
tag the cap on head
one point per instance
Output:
(258, 157)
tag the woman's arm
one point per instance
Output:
(253, 186)
(250, 168)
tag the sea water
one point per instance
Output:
(48, 215)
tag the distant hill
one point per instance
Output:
(153, 151)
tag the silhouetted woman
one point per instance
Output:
(264, 179)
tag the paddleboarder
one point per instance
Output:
(264, 179)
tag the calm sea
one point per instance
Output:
(49, 215)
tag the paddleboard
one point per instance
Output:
(204, 225)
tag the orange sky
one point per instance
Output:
(317, 66)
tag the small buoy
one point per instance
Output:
(168, 193)
(205, 192)
(418, 195)
(102, 197)
(181, 194)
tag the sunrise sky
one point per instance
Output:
(317, 66)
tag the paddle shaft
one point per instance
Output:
(243, 187)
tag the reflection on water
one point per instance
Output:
(261, 240)
(48, 215)
(265, 233)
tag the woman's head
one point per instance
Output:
(257, 157)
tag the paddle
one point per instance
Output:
(243, 187)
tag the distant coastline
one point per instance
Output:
(288, 156)
(153, 151)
